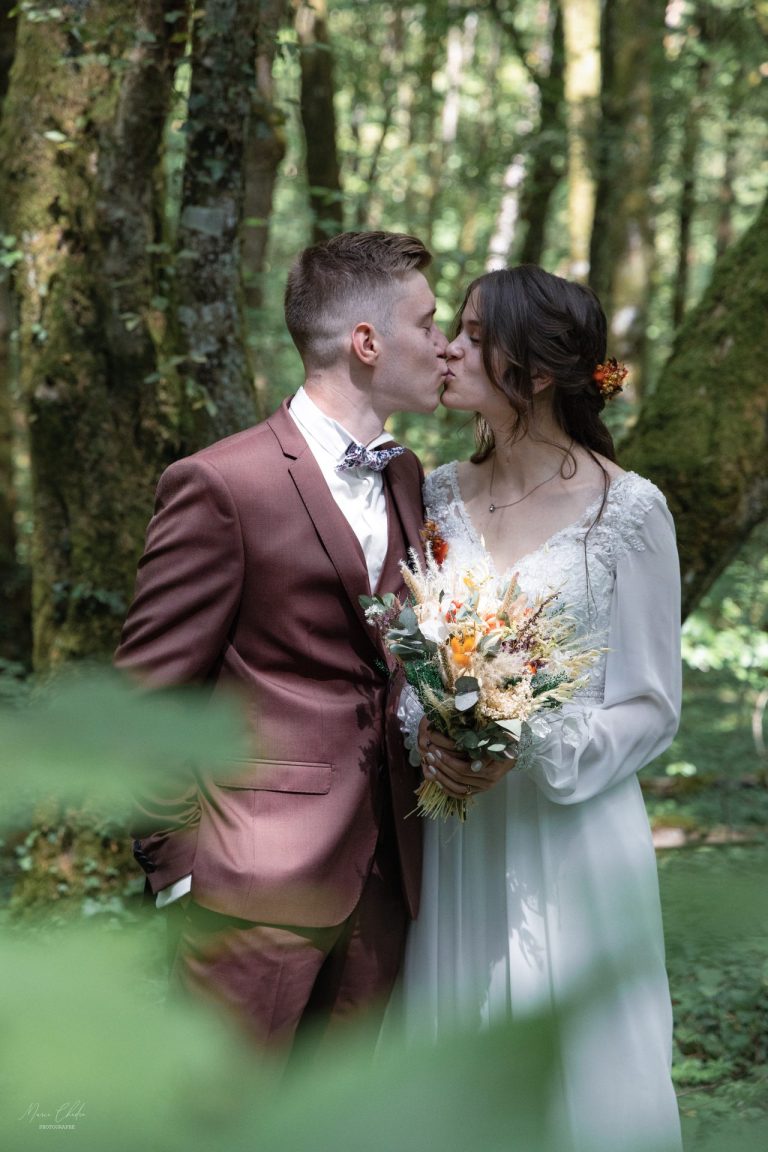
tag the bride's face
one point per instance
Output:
(468, 386)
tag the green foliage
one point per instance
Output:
(725, 652)
(729, 633)
(89, 1041)
(77, 751)
(88, 736)
(716, 912)
(89, 1028)
(10, 253)
(435, 103)
(70, 867)
(14, 683)
(89, 1045)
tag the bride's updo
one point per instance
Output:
(534, 325)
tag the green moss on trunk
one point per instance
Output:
(703, 435)
(78, 157)
(208, 304)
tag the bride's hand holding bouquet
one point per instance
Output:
(482, 660)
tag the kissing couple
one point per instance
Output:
(302, 888)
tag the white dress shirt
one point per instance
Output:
(359, 494)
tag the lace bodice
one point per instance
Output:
(578, 563)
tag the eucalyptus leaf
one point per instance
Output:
(489, 645)
(407, 619)
(467, 684)
(469, 740)
(407, 649)
(512, 726)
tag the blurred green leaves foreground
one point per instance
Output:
(94, 1055)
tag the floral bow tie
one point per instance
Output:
(356, 456)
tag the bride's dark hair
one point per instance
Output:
(534, 325)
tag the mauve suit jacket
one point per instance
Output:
(251, 576)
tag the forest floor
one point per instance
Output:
(707, 800)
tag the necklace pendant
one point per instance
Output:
(491, 507)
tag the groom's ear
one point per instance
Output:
(366, 345)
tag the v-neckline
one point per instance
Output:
(477, 539)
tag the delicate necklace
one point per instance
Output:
(493, 507)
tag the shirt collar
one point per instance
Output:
(331, 436)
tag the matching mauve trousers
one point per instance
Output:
(284, 982)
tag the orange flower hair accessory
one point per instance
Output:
(610, 377)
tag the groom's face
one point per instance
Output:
(412, 368)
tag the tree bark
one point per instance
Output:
(264, 151)
(78, 154)
(15, 620)
(688, 158)
(508, 215)
(209, 299)
(8, 24)
(581, 29)
(703, 434)
(424, 148)
(15, 589)
(318, 118)
(726, 197)
(549, 150)
(622, 245)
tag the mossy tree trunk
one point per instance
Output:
(622, 246)
(703, 435)
(8, 25)
(689, 155)
(15, 622)
(318, 118)
(424, 106)
(15, 617)
(78, 154)
(581, 32)
(208, 300)
(548, 161)
(264, 150)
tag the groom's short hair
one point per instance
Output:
(351, 278)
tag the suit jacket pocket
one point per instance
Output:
(277, 776)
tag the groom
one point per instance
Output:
(301, 867)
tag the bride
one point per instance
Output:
(546, 900)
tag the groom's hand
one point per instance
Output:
(456, 774)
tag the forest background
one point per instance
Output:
(162, 162)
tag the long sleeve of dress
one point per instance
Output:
(589, 749)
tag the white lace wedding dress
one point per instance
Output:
(546, 899)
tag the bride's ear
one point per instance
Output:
(540, 383)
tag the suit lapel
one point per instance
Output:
(407, 500)
(338, 539)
